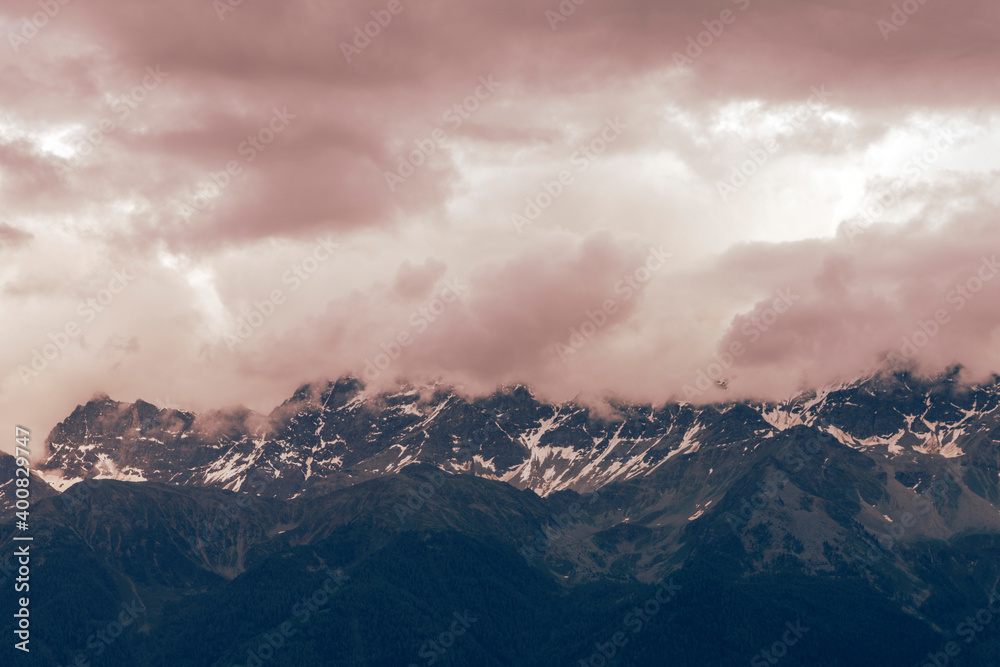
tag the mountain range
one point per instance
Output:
(336, 435)
(858, 525)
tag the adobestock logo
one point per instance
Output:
(555, 531)
(417, 497)
(99, 642)
(714, 28)
(268, 644)
(757, 325)
(455, 116)
(757, 157)
(900, 16)
(433, 650)
(767, 490)
(419, 322)
(779, 649)
(892, 194)
(566, 9)
(968, 629)
(29, 27)
(363, 35)
(323, 250)
(958, 298)
(122, 108)
(254, 145)
(626, 288)
(741, 173)
(552, 189)
(88, 310)
(636, 620)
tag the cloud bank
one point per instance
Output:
(208, 204)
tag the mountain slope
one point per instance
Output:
(471, 555)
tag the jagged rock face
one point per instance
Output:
(333, 436)
(38, 488)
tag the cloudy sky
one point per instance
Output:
(210, 203)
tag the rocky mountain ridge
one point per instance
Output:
(332, 436)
